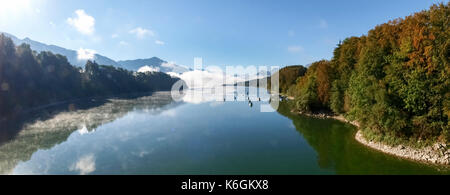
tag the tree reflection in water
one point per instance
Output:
(337, 150)
(24, 135)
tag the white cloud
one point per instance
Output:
(83, 130)
(83, 22)
(295, 49)
(123, 43)
(213, 76)
(148, 69)
(174, 67)
(84, 165)
(86, 54)
(114, 35)
(206, 79)
(323, 24)
(141, 32)
(168, 64)
(207, 85)
(158, 42)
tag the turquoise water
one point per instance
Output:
(155, 135)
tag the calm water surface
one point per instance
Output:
(154, 135)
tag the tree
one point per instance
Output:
(394, 80)
(48, 78)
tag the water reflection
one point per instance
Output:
(338, 151)
(52, 129)
(154, 135)
(84, 165)
(225, 94)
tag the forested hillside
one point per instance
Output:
(29, 79)
(288, 76)
(394, 80)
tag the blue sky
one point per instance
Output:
(222, 32)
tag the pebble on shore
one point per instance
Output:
(437, 154)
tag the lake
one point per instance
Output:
(156, 135)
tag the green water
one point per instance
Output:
(154, 135)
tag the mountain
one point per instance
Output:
(154, 63)
(72, 55)
(29, 80)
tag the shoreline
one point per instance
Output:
(68, 101)
(436, 154)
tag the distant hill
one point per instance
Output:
(287, 77)
(72, 57)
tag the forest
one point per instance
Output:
(394, 81)
(29, 79)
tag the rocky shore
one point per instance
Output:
(439, 153)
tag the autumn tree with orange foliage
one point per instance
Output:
(394, 80)
(314, 87)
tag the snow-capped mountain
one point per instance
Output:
(153, 63)
(74, 57)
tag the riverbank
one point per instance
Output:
(74, 100)
(436, 154)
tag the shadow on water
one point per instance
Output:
(338, 151)
(38, 130)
